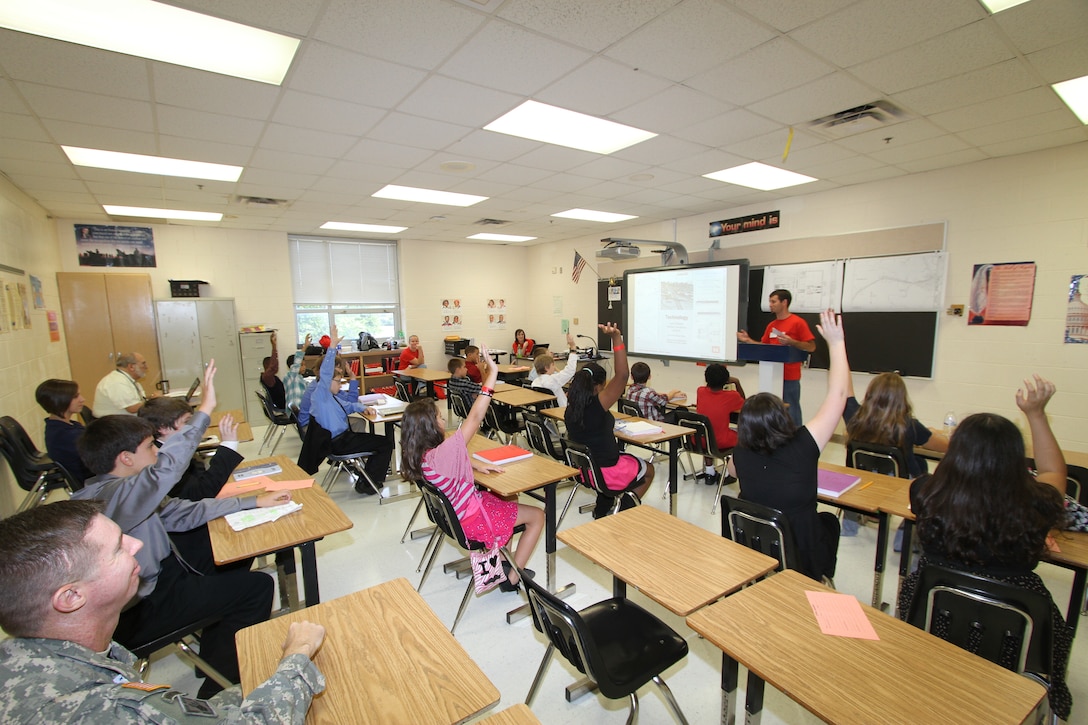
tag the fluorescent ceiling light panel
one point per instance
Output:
(1075, 94)
(590, 215)
(760, 176)
(996, 6)
(192, 216)
(427, 196)
(152, 30)
(541, 122)
(350, 227)
(500, 237)
(141, 164)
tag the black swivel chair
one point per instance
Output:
(35, 472)
(589, 474)
(761, 528)
(1006, 624)
(615, 643)
(182, 639)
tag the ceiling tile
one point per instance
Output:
(67, 65)
(729, 128)
(78, 107)
(203, 91)
(278, 137)
(304, 110)
(773, 67)
(1044, 23)
(177, 121)
(673, 108)
(1016, 105)
(1016, 128)
(785, 15)
(336, 73)
(824, 96)
(593, 25)
(400, 128)
(454, 101)
(601, 87)
(102, 137)
(1011, 76)
(294, 17)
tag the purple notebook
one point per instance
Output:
(830, 483)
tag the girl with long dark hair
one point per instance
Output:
(426, 453)
(589, 422)
(982, 511)
(776, 461)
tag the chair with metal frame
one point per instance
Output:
(182, 640)
(878, 458)
(404, 390)
(628, 407)
(579, 456)
(541, 438)
(34, 471)
(703, 443)
(317, 447)
(615, 643)
(506, 427)
(761, 528)
(1006, 624)
(458, 404)
(1076, 480)
(278, 420)
(447, 526)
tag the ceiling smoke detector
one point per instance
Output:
(857, 120)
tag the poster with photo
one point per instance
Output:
(1076, 315)
(1001, 294)
(24, 304)
(496, 321)
(54, 325)
(105, 245)
(450, 322)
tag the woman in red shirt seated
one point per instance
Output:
(523, 346)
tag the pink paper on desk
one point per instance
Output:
(257, 483)
(840, 615)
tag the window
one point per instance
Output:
(350, 283)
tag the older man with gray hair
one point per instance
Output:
(66, 572)
(120, 392)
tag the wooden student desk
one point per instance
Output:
(523, 397)
(1073, 554)
(245, 432)
(526, 476)
(866, 498)
(669, 433)
(907, 676)
(387, 660)
(558, 413)
(318, 518)
(677, 564)
(423, 375)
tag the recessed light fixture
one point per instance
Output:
(457, 167)
(541, 122)
(156, 31)
(760, 176)
(996, 6)
(140, 164)
(500, 237)
(1075, 94)
(351, 227)
(193, 216)
(590, 215)
(427, 196)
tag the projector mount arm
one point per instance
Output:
(672, 250)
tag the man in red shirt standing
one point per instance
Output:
(787, 329)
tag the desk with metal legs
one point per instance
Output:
(669, 433)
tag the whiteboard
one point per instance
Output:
(815, 286)
(905, 283)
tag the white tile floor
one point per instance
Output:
(371, 553)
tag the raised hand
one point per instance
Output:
(830, 327)
(611, 329)
(207, 394)
(228, 428)
(1035, 394)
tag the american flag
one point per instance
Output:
(579, 265)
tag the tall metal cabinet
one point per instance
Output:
(193, 331)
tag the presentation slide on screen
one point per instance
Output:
(684, 312)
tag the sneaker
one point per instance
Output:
(506, 586)
(897, 545)
(850, 526)
(711, 479)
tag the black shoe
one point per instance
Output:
(711, 479)
(364, 489)
(506, 586)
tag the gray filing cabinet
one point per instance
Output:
(193, 331)
(255, 347)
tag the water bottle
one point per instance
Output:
(949, 423)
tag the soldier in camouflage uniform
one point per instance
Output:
(66, 572)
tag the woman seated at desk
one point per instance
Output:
(981, 511)
(776, 461)
(62, 400)
(523, 346)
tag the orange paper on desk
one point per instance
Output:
(840, 615)
(260, 483)
(503, 455)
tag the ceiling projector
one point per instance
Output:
(619, 252)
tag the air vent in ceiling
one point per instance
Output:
(857, 120)
(491, 222)
(261, 202)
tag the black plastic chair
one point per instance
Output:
(759, 527)
(447, 526)
(278, 420)
(541, 438)
(404, 390)
(504, 425)
(1076, 480)
(589, 474)
(615, 643)
(1006, 624)
(703, 443)
(457, 403)
(628, 407)
(87, 415)
(182, 640)
(34, 471)
(878, 458)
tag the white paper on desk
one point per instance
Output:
(240, 520)
(637, 427)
